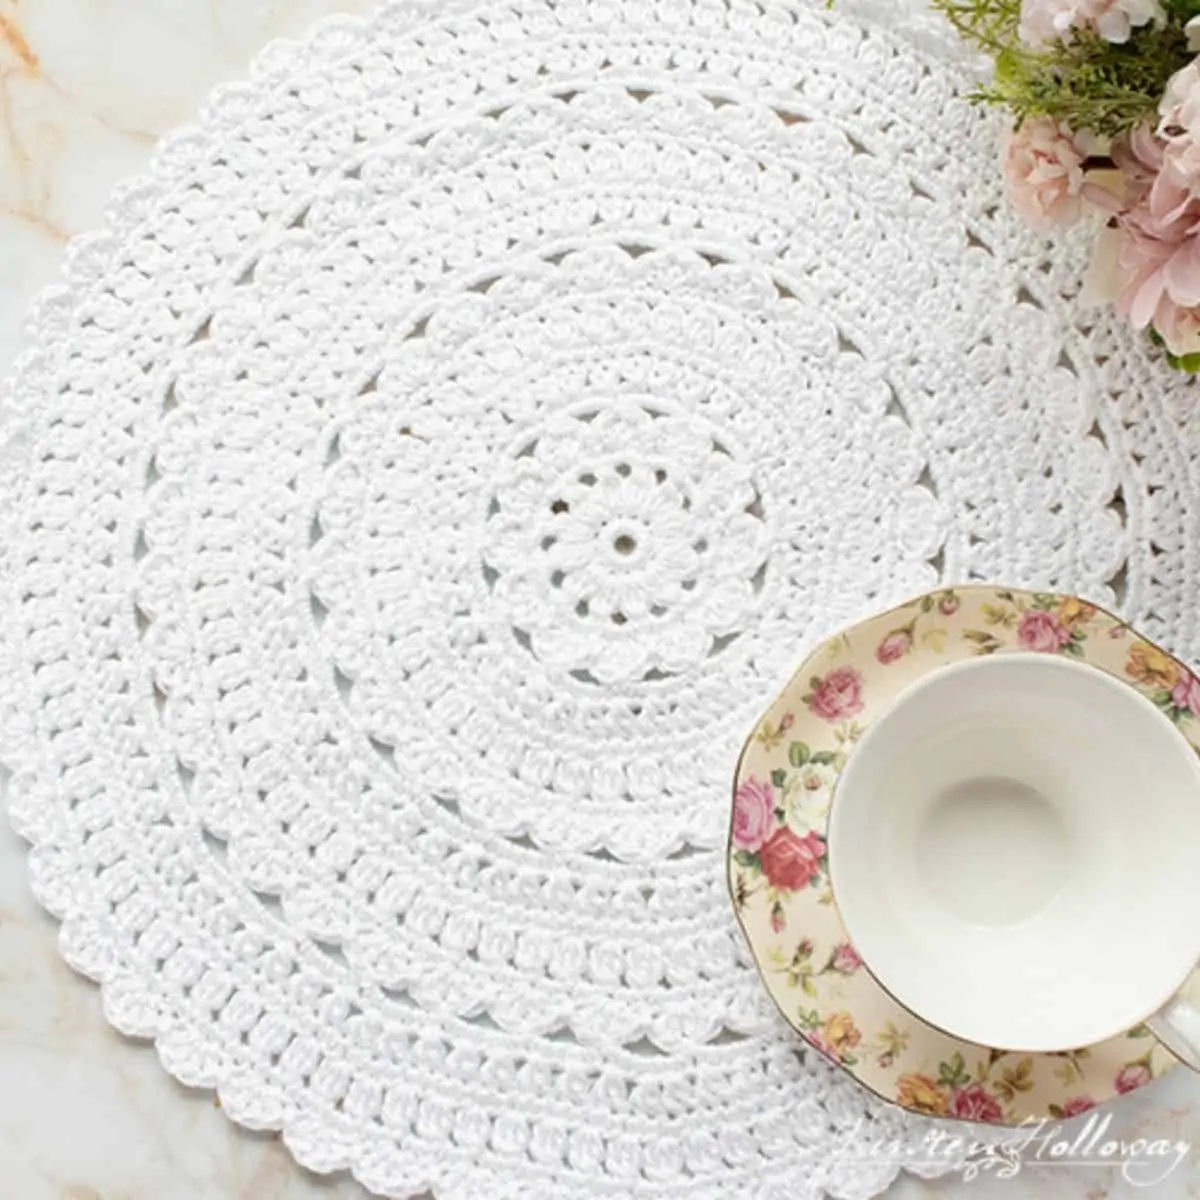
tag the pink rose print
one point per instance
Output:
(753, 814)
(790, 861)
(895, 646)
(1132, 1076)
(1077, 1105)
(1186, 694)
(948, 604)
(845, 959)
(974, 1104)
(1043, 631)
(837, 696)
(819, 1043)
(778, 918)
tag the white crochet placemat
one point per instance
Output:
(413, 496)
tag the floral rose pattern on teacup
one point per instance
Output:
(771, 735)
(1185, 695)
(839, 1035)
(776, 857)
(1042, 623)
(1043, 631)
(790, 861)
(974, 1104)
(1075, 613)
(1171, 686)
(896, 645)
(1149, 666)
(753, 814)
(1133, 1076)
(922, 1094)
(778, 866)
(845, 959)
(978, 1096)
(836, 696)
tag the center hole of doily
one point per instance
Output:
(625, 539)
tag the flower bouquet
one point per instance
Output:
(1105, 100)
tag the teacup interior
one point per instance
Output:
(1013, 851)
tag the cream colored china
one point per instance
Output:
(778, 861)
(990, 819)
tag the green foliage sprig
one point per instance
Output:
(1084, 82)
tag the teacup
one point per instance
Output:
(1013, 850)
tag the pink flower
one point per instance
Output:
(1179, 328)
(896, 645)
(1077, 1105)
(948, 604)
(1179, 125)
(1147, 259)
(974, 1104)
(790, 861)
(778, 918)
(1043, 173)
(1043, 631)
(753, 814)
(1044, 21)
(845, 959)
(838, 695)
(819, 1043)
(1132, 1076)
(1186, 694)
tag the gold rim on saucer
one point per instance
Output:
(777, 867)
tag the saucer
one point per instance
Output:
(778, 873)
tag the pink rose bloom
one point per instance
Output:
(753, 814)
(974, 1104)
(1077, 1105)
(1043, 174)
(1044, 21)
(1179, 125)
(1131, 1077)
(896, 645)
(789, 861)
(819, 1043)
(838, 695)
(1043, 631)
(1147, 259)
(948, 605)
(845, 959)
(1186, 694)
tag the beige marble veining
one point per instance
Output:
(86, 1114)
(86, 89)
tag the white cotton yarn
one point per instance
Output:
(416, 491)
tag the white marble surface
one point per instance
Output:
(86, 88)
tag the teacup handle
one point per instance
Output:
(1177, 1026)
